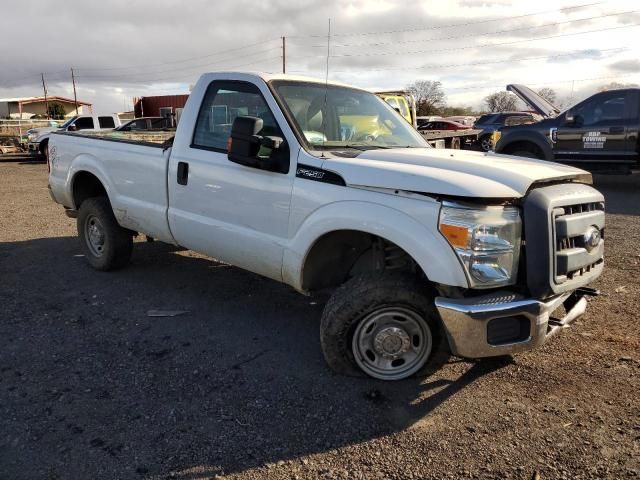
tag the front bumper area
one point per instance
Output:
(33, 146)
(503, 323)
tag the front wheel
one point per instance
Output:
(384, 326)
(485, 143)
(106, 245)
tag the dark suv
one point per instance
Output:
(491, 122)
(599, 134)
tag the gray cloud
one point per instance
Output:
(631, 65)
(122, 48)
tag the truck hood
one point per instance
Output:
(456, 173)
(42, 130)
(540, 105)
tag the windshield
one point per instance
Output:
(490, 118)
(68, 122)
(340, 117)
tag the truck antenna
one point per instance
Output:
(326, 90)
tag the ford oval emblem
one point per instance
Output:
(591, 238)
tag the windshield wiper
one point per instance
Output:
(363, 146)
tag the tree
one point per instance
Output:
(429, 96)
(501, 102)
(56, 111)
(614, 85)
(549, 94)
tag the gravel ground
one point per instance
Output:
(93, 388)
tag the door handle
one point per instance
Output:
(616, 130)
(183, 173)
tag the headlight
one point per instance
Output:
(32, 136)
(487, 241)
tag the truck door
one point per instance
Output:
(231, 212)
(599, 130)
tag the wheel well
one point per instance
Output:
(521, 145)
(86, 185)
(339, 255)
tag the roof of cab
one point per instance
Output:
(268, 77)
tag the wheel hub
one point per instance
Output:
(391, 342)
(95, 236)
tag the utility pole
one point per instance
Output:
(44, 89)
(284, 55)
(75, 96)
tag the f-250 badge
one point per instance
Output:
(305, 172)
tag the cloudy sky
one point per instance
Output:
(125, 48)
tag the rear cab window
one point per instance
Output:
(106, 122)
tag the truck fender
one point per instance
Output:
(425, 245)
(537, 138)
(90, 164)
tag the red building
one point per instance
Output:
(159, 106)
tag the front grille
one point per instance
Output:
(562, 250)
(574, 258)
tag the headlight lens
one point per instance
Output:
(487, 241)
(32, 136)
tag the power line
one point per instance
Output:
(217, 62)
(185, 60)
(486, 62)
(178, 75)
(479, 87)
(453, 25)
(482, 45)
(380, 44)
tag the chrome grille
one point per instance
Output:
(574, 258)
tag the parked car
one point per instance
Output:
(146, 124)
(424, 119)
(491, 122)
(467, 120)
(600, 134)
(443, 125)
(422, 249)
(38, 138)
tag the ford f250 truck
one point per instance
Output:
(599, 134)
(423, 250)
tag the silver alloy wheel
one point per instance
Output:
(94, 235)
(485, 143)
(392, 343)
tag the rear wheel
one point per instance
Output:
(384, 326)
(106, 245)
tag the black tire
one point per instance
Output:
(361, 297)
(43, 148)
(527, 154)
(117, 242)
(485, 143)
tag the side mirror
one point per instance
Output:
(573, 120)
(245, 146)
(72, 128)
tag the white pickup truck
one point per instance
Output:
(38, 138)
(327, 188)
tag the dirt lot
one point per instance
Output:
(93, 388)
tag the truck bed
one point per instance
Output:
(153, 138)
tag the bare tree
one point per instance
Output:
(614, 85)
(430, 97)
(549, 94)
(501, 102)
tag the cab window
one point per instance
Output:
(84, 123)
(223, 102)
(106, 122)
(603, 110)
